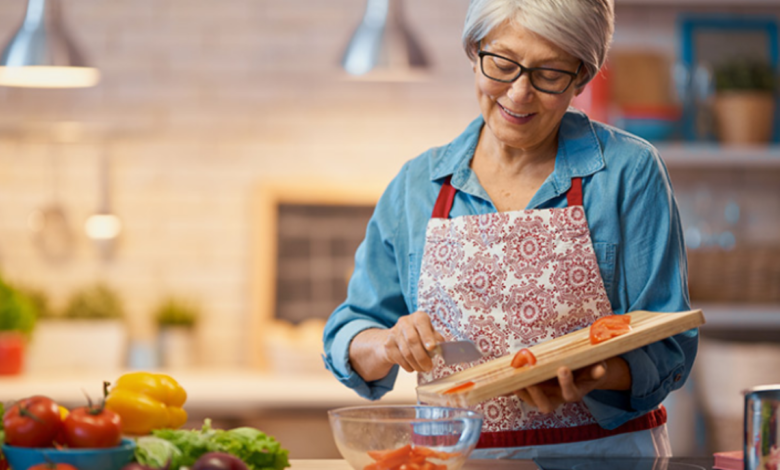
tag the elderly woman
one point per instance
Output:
(533, 223)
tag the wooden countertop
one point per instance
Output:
(675, 463)
(470, 465)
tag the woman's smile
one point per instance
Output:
(515, 117)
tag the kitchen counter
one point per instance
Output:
(470, 465)
(550, 464)
(216, 392)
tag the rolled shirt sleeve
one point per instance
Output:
(374, 296)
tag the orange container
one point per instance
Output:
(11, 353)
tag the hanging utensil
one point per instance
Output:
(49, 224)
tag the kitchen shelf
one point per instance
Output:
(740, 316)
(717, 156)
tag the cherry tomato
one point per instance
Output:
(92, 427)
(608, 327)
(32, 422)
(522, 358)
(53, 466)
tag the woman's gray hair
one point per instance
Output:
(583, 28)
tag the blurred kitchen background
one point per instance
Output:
(204, 199)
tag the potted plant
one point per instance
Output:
(17, 321)
(176, 319)
(744, 101)
(88, 333)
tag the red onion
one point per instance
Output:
(219, 461)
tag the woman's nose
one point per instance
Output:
(521, 89)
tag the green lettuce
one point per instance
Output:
(157, 453)
(258, 450)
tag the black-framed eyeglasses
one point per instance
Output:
(501, 69)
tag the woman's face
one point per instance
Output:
(517, 114)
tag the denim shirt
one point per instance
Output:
(636, 233)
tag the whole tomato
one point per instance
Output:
(92, 427)
(53, 466)
(32, 422)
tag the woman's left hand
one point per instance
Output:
(571, 387)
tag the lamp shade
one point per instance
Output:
(383, 47)
(41, 54)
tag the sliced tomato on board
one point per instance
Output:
(460, 388)
(609, 327)
(523, 357)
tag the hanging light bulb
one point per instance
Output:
(42, 55)
(383, 48)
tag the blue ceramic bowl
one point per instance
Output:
(112, 458)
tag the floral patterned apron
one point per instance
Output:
(507, 281)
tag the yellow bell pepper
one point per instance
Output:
(146, 401)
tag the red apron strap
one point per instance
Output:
(574, 195)
(447, 195)
(444, 202)
(532, 437)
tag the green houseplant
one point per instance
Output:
(95, 302)
(744, 101)
(174, 312)
(88, 333)
(17, 321)
(176, 320)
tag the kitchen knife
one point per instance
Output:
(456, 352)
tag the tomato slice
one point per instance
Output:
(609, 327)
(523, 357)
(460, 387)
(408, 458)
(390, 458)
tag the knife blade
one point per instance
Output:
(456, 352)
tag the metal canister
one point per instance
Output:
(762, 428)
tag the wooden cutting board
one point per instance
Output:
(497, 377)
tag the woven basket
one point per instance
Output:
(749, 275)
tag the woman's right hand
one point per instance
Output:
(374, 352)
(408, 342)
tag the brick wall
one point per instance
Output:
(199, 100)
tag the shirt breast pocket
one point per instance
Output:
(605, 256)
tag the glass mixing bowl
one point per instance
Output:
(418, 436)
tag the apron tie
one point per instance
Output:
(441, 210)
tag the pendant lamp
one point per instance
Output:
(42, 55)
(383, 47)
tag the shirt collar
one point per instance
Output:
(579, 152)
